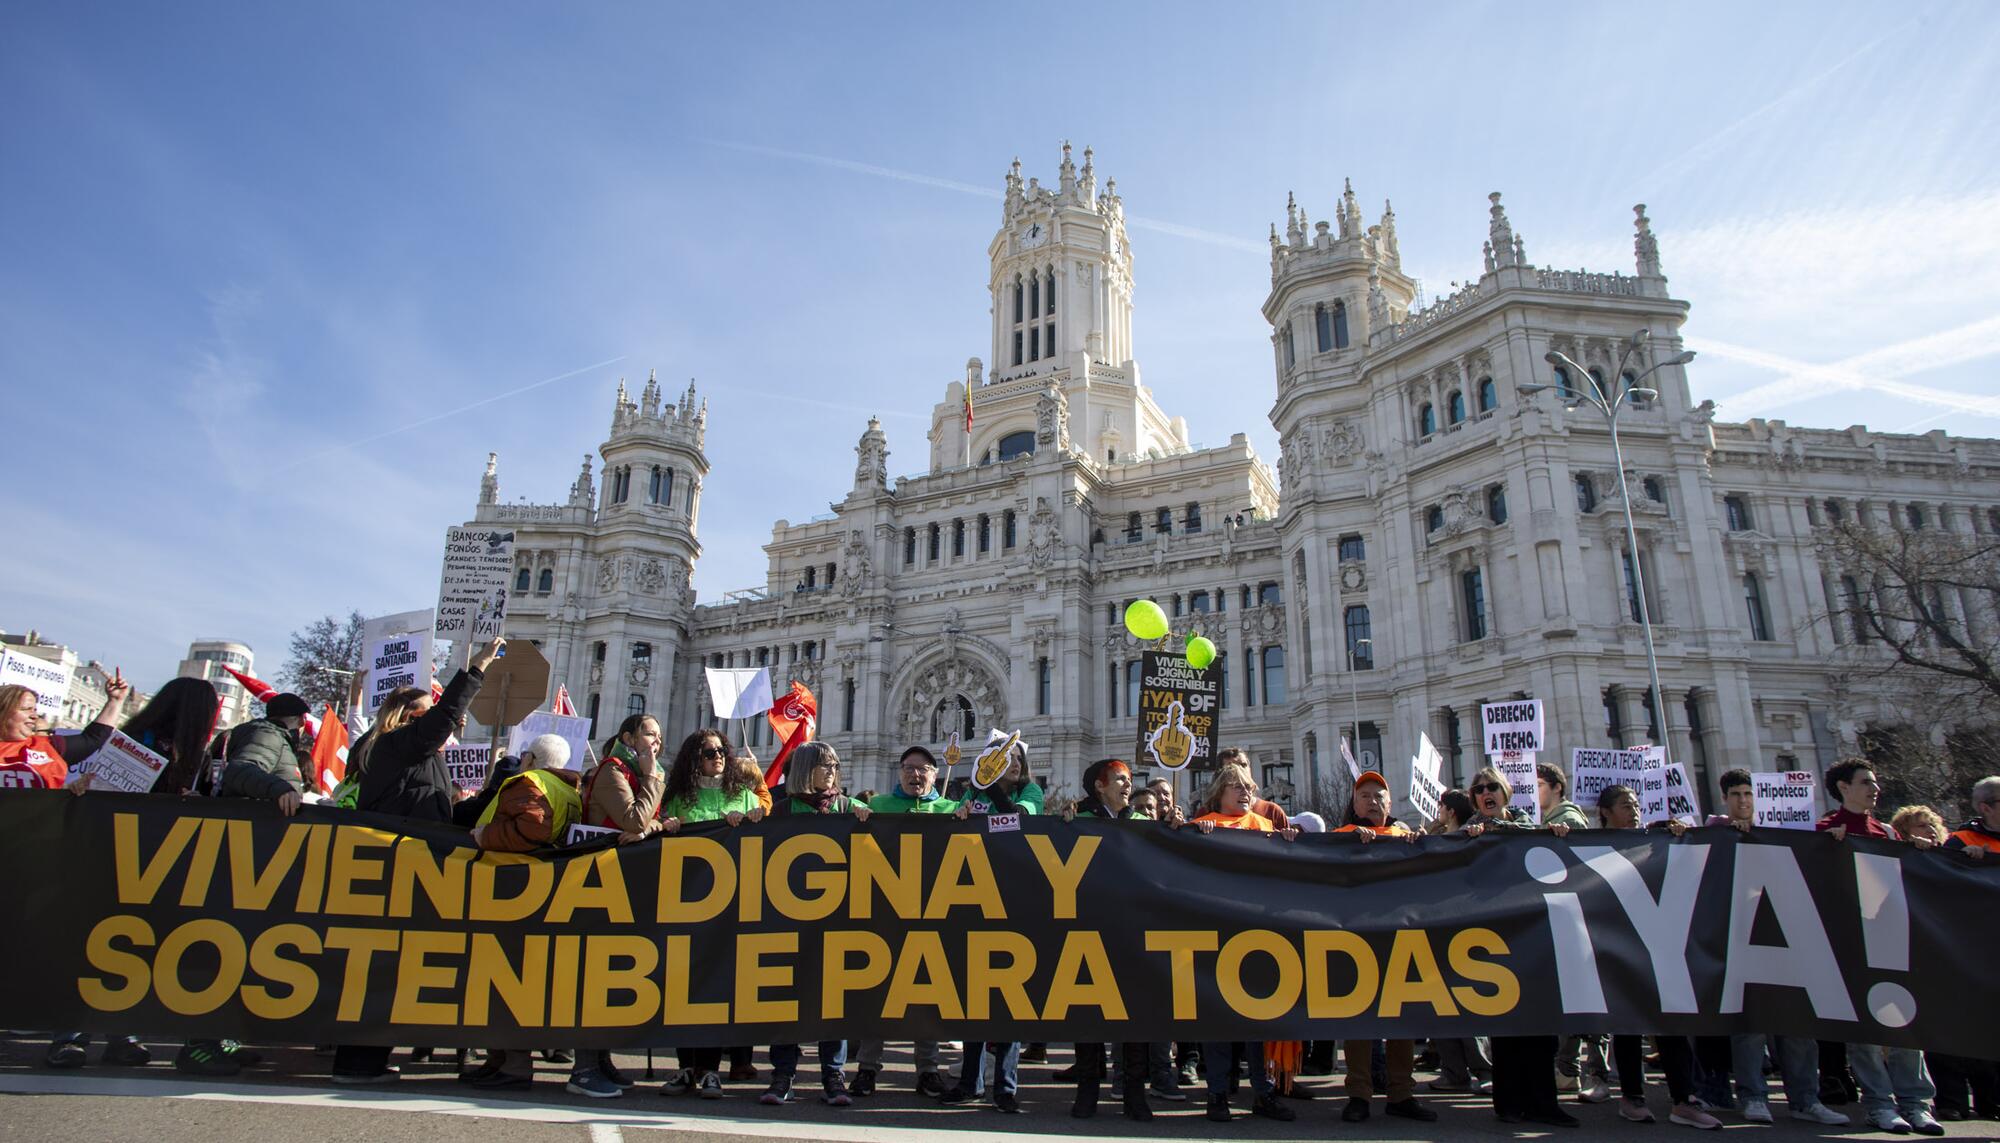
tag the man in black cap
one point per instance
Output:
(262, 759)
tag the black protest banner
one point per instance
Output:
(1179, 705)
(220, 918)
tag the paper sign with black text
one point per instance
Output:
(1512, 726)
(472, 592)
(1784, 801)
(1426, 786)
(573, 729)
(1518, 766)
(467, 765)
(1178, 711)
(49, 681)
(123, 764)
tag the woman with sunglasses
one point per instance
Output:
(702, 786)
(1524, 1067)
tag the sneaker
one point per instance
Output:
(1482, 1087)
(1635, 1112)
(1172, 1093)
(1189, 1076)
(1597, 1091)
(1821, 1114)
(710, 1086)
(244, 1057)
(1218, 1109)
(1566, 1082)
(930, 1084)
(1757, 1111)
(594, 1084)
(1922, 1123)
(1887, 1120)
(553, 1055)
(66, 1054)
(833, 1093)
(1269, 1107)
(780, 1092)
(389, 1074)
(1035, 1054)
(1688, 1115)
(864, 1083)
(1007, 1103)
(1411, 1109)
(126, 1054)
(201, 1060)
(680, 1083)
(610, 1071)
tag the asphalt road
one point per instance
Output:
(289, 1099)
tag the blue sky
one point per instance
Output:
(268, 272)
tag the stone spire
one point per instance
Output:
(1067, 174)
(649, 399)
(1350, 211)
(1500, 232)
(1645, 247)
(583, 492)
(1294, 234)
(1378, 302)
(489, 484)
(1390, 251)
(1089, 192)
(1013, 205)
(618, 405)
(871, 467)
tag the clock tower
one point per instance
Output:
(1062, 274)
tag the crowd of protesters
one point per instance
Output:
(529, 802)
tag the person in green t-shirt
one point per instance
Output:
(703, 786)
(916, 793)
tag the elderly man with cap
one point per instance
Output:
(1368, 818)
(261, 757)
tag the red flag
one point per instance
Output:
(258, 688)
(329, 755)
(968, 406)
(794, 718)
(563, 706)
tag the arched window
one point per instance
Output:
(1736, 512)
(521, 579)
(953, 712)
(1833, 512)
(667, 488)
(547, 582)
(1134, 529)
(1562, 382)
(1627, 381)
(1049, 303)
(1323, 327)
(1915, 514)
(1291, 354)
(1857, 619)
(1360, 647)
(1018, 314)
(1340, 325)
(957, 539)
(1269, 594)
(1496, 503)
(1191, 518)
(909, 546)
(653, 486)
(1586, 493)
(1489, 396)
(1017, 444)
(1472, 587)
(812, 578)
(1353, 547)
(1163, 521)
(985, 533)
(1274, 675)
(635, 704)
(1198, 603)
(1007, 529)
(1753, 599)
(1427, 420)
(1597, 383)
(1035, 294)
(1455, 407)
(1655, 491)
(1433, 518)
(932, 550)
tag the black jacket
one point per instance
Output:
(262, 762)
(1094, 807)
(404, 772)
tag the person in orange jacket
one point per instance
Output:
(1368, 817)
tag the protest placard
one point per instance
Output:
(1652, 795)
(1347, 756)
(573, 729)
(49, 681)
(578, 834)
(1178, 710)
(472, 591)
(1591, 770)
(123, 764)
(1512, 726)
(389, 666)
(1784, 801)
(1682, 803)
(467, 765)
(1426, 786)
(1518, 767)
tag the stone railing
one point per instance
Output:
(1419, 320)
(534, 513)
(1586, 282)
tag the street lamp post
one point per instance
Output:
(1610, 407)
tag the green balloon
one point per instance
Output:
(1200, 652)
(1145, 620)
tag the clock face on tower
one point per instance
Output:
(1036, 235)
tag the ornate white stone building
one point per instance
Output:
(1441, 539)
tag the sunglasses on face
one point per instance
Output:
(714, 752)
(1485, 788)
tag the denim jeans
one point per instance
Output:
(1006, 1068)
(1798, 1065)
(1217, 1056)
(832, 1058)
(1891, 1078)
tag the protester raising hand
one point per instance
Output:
(484, 657)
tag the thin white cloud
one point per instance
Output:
(1877, 370)
(1139, 222)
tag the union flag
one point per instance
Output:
(794, 718)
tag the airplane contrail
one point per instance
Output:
(1137, 221)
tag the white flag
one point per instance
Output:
(740, 692)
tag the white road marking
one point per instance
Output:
(606, 1133)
